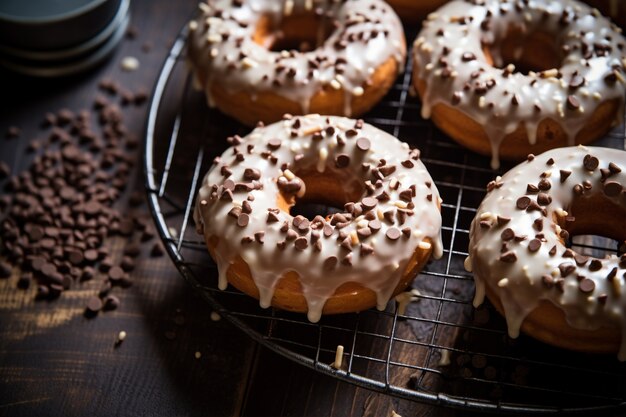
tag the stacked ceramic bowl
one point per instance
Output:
(54, 38)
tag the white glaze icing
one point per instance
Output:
(414, 215)
(520, 284)
(592, 48)
(220, 44)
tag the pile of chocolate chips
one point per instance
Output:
(58, 216)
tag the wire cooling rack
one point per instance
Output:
(440, 349)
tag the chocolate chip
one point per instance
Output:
(573, 103)
(251, 174)
(508, 257)
(342, 160)
(612, 188)
(368, 203)
(468, 56)
(547, 280)
(544, 199)
(5, 270)
(564, 175)
(243, 220)
(595, 265)
(523, 202)
(274, 144)
(502, 220)
(393, 233)
(111, 302)
(330, 263)
(590, 162)
(301, 243)
(586, 285)
(157, 250)
(507, 234)
(374, 225)
(94, 304)
(387, 170)
(566, 269)
(534, 245)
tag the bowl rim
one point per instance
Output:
(45, 20)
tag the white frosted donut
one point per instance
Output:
(347, 262)
(230, 52)
(573, 91)
(519, 258)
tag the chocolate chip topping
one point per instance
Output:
(342, 160)
(363, 144)
(523, 202)
(595, 265)
(393, 233)
(590, 162)
(508, 257)
(566, 269)
(564, 175)
(586, 285)
(243, 220)
(534, 245)
(612, 188)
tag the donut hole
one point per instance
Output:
(302, 32)
(593, 234)
(536, 51)
(326, 192)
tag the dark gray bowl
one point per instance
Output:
(44, 25)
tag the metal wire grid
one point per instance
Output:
(400, 354)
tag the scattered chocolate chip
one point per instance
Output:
(94, 304)
(157, 250)
(5, 270)
(111, 302)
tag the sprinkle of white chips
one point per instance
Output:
(120, 337)
(215, 316)
(338, 357)
(130, 63)
(197, 355)
(445, 358)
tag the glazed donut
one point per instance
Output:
(347, 262)
(244, 56)
(520, 261)
(573, 91)
(412, 11)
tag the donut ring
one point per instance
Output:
(519, 259)
(496, 110)
(229, 52)
(346, 262)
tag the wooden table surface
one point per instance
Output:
(55, 361)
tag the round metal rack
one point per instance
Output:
(438, 350)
